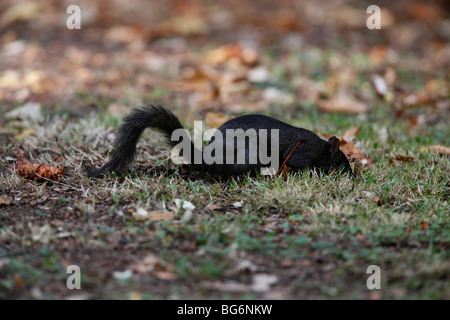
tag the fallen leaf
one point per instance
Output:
(140, 214)
(351, 133)
(29, 110)
(443, 150)
(262, 282)
(380, 85)
(246, 266)
(424, 225)
(215, 120)
(38, 172)
(285, 172)
(344, 103)
(376, 199)
(160, 216)
(375, 295)
(21, 11)
(232, 51)
(18, 281)
(151, 263)
(5, 200)
(347, 145)
(25, 133)
(237, 204)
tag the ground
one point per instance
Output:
(161, 232)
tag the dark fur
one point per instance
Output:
(313, 153)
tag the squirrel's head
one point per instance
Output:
(338, 159)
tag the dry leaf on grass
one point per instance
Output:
(246, 266)
(347, 145)
(141, 215)
(37, 171)
(263, 281)
(343, 102)
(29, 110)
(424, 226)
(5, 200)
(215, 120)
(443, 150)
(227, 286)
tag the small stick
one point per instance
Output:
(289, 156)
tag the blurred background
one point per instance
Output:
(228, 56)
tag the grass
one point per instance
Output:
(316, 234)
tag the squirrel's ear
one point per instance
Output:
(334, 145)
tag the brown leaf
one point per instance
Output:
(443, 150)
(285, 171)
(165, 275)
(38, 172)
(215, 120)
(349, 149)
(344, 103)
(212, 207)
(18, 281)
(160, 216)
(5, 200)
(401, 158)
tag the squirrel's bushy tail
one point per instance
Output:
(151, 116)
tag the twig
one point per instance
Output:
(289, 156)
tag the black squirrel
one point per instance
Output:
(313, 152)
